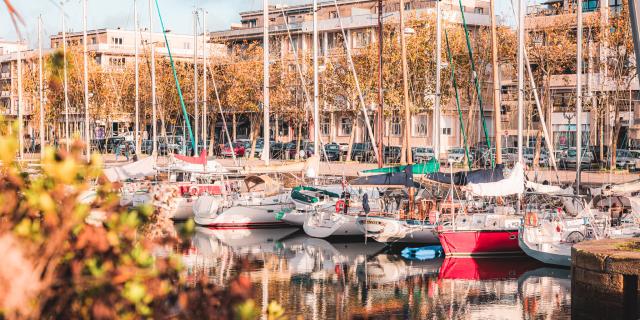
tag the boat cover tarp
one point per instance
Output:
(510, 185)
(548, 188)
(420, 168)
(135, 170)
(404, 179)
(622, 188)
(464, 178)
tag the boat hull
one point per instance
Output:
(294, 218)
(388, 230)
(548, 253)
(332, 225)
(479, 242)
(212, 212)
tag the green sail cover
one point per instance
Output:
(420, 168)
(297, 194)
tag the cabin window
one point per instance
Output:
(346, 126)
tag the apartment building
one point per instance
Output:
(112, 49)
(359, 19)
(597, 81)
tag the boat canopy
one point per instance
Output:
(395, 179)
(510, 185)
(420, 168)
(464, 178)
(135, 170)
(264, 182)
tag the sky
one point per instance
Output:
(177, 15)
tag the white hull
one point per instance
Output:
(546, 252)
(294, 218)
(388, 230)
(212, 211)
(323, 225)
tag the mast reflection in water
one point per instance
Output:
(320, 279)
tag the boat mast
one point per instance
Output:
(66, 80)
(205, 52)
(579, 97)
(136, 29)
(407, 157)
(87, 137)
(265, 85)
(316, 111)
(40, 87)
(436, 108)
(20, 106)
(521, 39)
(380, 122)
(497, 115)
(154, 105)
(195, 76)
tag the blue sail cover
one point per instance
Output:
(464, 178)
(403, 178)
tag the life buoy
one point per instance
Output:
(340, 206)
(531, 219)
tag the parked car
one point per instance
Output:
(277, 150)
(457, 156)
(331, 152)
(627, 159)
(171, 144)
(570, 159)
(362, 152)
(529, 154)
(423, 154)
(392, 154)
(238, 150)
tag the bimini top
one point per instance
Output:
(421, 168)
(391, 179)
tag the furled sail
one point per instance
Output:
(510, 185)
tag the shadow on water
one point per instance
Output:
(347, 279)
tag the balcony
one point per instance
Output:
(540, 18)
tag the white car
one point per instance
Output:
(423, 154)
(457, 155)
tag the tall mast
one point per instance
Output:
(497, 116)
(87, 137)
(436, 108)
(521, 26)
(154, 104)
(380, 124)
(316, 111)
(406, 158)
(40, 87)
(265, 87)
(205, 52)
(20, 106)
(67, 135)
(136, 29)
(579, 97)
(195, 76)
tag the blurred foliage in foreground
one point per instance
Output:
(70, 251)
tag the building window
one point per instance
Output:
(292, 19)
(589, 5)
(187, 45)
(116, 41)
(407, 5)
(361, 39)
(345, 126)
(478, 10)
(94, 40)
(251, 23)
(116, 61)
(446, 131)
(325, 126)
(395, 128)
(333, 14)
(420, 126)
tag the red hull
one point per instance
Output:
(480, 242)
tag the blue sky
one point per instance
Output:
(119, 13)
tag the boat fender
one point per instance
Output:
(340, 205)
(558, 228)
(531, 219)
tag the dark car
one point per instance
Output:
(277, 150)
(362, 152)
(392, 154)
(331, 152)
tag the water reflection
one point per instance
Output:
(346, 279)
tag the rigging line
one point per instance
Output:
(455, 86)
(224, 121)
(357, 82)
(175, 76)
(302, 80)
(475, 79)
